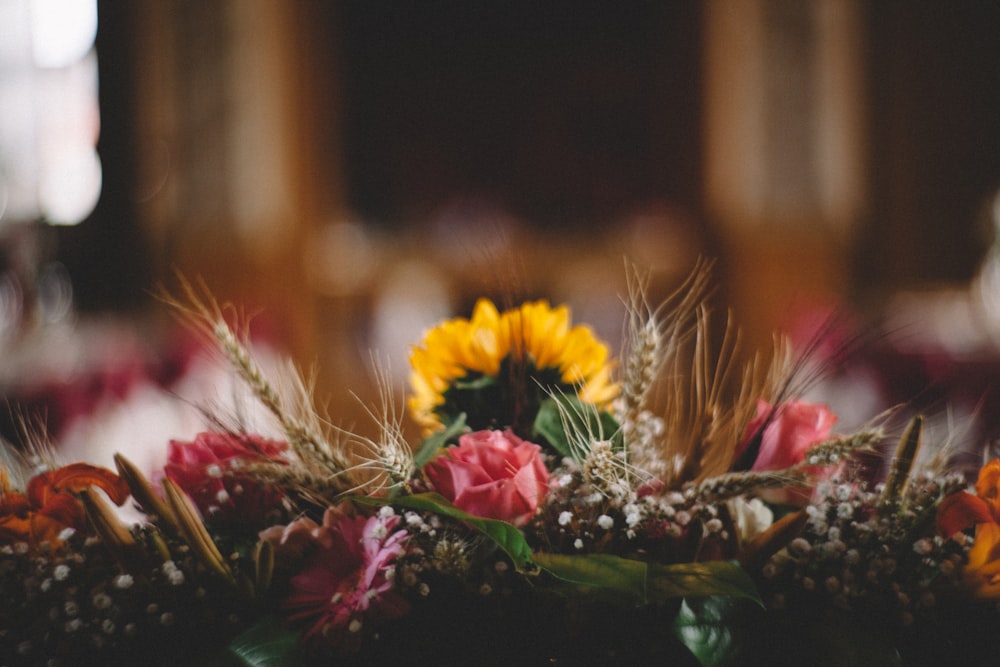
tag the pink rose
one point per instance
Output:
(213, 471)
(492, 474)
(794, 427)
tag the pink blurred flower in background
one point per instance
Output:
(790, 429)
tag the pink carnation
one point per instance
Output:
(347, 581)
(492, 474)
(212, 470)
(794, 427)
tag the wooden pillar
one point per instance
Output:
(784, 150)
(228, 174)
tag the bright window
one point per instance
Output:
(49, 116)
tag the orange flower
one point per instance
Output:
(49, 505)
(962, 510)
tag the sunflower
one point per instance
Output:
(497, 368)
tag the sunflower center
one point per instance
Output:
(509, 399)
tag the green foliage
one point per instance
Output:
(509, 399)
(266, 644)
(562, 415)
(643, 583)
(436, 441)
(709, 627)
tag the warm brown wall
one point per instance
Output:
(935, 140)
(382, 115)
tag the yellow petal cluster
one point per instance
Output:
(534, 332)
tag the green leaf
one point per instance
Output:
(474, 384)
(708, 578)
(643, 583)
(564, 412)
(611, 577)
(506, 535)
(434, 442)
(709, 629)
(266, 644)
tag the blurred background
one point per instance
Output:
(353, 171)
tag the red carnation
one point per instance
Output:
(213, 471)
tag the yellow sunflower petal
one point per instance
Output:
(535, 333)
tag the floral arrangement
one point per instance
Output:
(562, 507)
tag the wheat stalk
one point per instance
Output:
(834, 451)
(301, 425)
(709, 394)
(389, 455)
(642, 353)
(732, 484)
